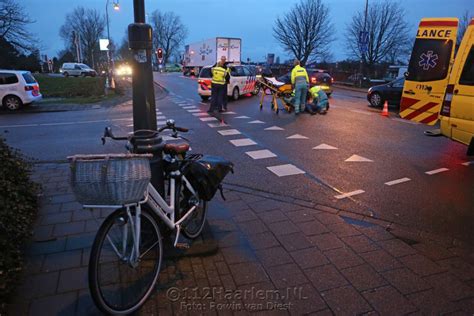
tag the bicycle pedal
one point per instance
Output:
(182, 245)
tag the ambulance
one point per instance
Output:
(439, 85)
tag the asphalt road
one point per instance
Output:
(396, 152)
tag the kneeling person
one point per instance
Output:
(320, 102)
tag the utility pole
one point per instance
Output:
(363, 44)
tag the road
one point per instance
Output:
(352, 158)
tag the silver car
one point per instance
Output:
(76, 70)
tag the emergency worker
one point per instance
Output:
(320, 102)
(227, 81)
(218, 86)
(300, 81)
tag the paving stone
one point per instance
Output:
(343, 258)
(68, 229)
(272, 216)
(63, 198)
(253, 300)
(300, 216)
(229, 239)
(295, 241)
(73, 279)
(363, 277)
(198, 271)
(62, 304)
(222, 268)
(458, 267)
(80, 241)
(33, 264)
(265, 205)
(85, 305)
(286, 275)
(42, 233)
(253, 227)
(56, 218)
(310, 228)
(92, 225)
(360, 243)
(387, 301)
(397, 248)
(325, 277)
(222, 226)
(326, 241)
(62, 260)
(82, 215)
(48, 208)
(247, 273)
(283, 228)
(273, 256)
(228, 282)
(304, 300)
(244, 216)
(380, 260)
(346, 301)
(450, 286)
(421, 265)
(376, 233)
(238, 254)
(343, 229)
(431, 302)
(39, 285)
(467, 305)
(406, 281)
(309, 258)
(433, 251)
(55, 245)
(326, 218)
(263, 240)
(72, 207)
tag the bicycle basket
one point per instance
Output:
(112, 179)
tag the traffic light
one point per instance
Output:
(159, 52)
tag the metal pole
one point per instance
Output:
(362, 61)
(110, 67)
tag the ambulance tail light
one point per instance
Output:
(313, 79)
(448, 97)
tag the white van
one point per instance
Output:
(18, 88)
(76, 70)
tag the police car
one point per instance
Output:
(242, 81)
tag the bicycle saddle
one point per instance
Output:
(179, 148)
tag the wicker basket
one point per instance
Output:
(113, 179)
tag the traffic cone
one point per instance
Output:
(385, 109)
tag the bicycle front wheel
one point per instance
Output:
(120, 278)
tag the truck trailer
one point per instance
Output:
(208, 52)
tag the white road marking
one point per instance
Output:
(189, 107)
(261, 154)
(242, 117)
(357, 158)
(405, 121)
(160, 117)
(228, 113)
(228, 132)
(242, 142)
(274, 128)
(159, 113)
(256, 122)
(398, 181)
(194, 111)
(362, 112)
(324, 146)
(468, 163)
(200, 114)
(203, 103)
(285, 170)
(192, 100)
(214, 125)
(432, 172)
(207, 119)
(161, 122)
(349, 194)
(297, 136)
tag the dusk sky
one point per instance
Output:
(250, 20)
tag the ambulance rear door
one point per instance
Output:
(457, 113)
(428, 70)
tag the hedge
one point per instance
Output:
(18, 208)
(61, 87)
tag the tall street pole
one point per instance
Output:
(140, 42)
(363, 46)
(110, 62)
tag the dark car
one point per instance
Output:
(391, 92)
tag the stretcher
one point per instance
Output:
(278, 90)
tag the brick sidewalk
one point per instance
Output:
(317, 259)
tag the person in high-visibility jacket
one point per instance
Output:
(299, 80)
(320, 102)
(218, 87)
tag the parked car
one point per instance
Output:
(18, 88)
(76, 70)
(173, 67)
(391, 92)
(242, 81)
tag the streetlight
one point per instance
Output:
(110, 59)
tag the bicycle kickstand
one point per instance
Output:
(177, 244)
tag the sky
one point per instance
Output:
(250, 20)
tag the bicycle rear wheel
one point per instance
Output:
(118, 283)
(193, 225)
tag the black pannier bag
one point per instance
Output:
(206, 175)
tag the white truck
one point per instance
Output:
(208, 52)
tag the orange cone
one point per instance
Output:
(385, 109)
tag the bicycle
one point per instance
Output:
(127, 252)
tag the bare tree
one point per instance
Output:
(13, 22)
(305, 31)
(463, 23)
(90, 25)
(387, 29)
(168, 33)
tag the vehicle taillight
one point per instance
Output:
(200, 81)
(448, 96)
(332, 80)
(29, 88)
(313, 80)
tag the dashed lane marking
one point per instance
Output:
(432, 172)
(242, 117)
(207, 119)
(189, 107)
(161, 122)
(220, 124)
(242, 142)
(274, 128)
(194, 111)
(349, 194)
(357, 158)
(200, 114)
(228, 132)
(325, 146)
(228, 113)
(261, 154)
(256, 122)
(160, 117)
(297, 136)
(398, 181)
(285, 170)
(202, 103)
(468, 163)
